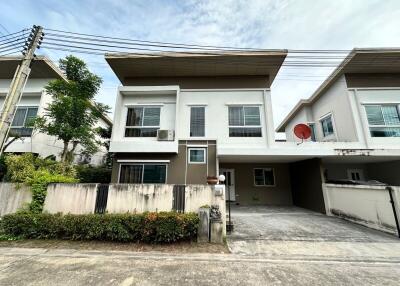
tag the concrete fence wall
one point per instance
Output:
(71, 198)
(366, 205)
(13, 197)
(123, 198)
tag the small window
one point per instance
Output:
(383, 120)
(327, 126)
(264, 177)
(244, 121)
(197, 155)
(143, 174)
(142, 122)
(23, 121)
(197, 121)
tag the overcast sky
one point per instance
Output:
(268, 24)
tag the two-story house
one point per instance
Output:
(181, 117)
(33, 102)
(356, 113)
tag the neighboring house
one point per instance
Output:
(357, 110)
(33, 102)
(180, 117)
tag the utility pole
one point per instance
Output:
(18, 84)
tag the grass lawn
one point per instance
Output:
(181, 247)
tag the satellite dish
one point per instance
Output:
(302, 131)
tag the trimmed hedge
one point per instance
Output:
(89, 174)
(163, 227)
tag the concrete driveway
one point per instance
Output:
(296, 232)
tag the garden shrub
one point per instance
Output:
(89, 174)
(163, 227)
(38, 173)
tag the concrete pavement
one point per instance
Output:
(68, 267)
(271, 246)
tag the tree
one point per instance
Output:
(72, 114)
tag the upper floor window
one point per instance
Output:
(197, 121)
(383, 120)
(142, 122)
(244, 121)
(327, 126)
(312, 128)
(22, 122)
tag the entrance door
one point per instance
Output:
(229, 183)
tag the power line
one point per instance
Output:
(4, 28)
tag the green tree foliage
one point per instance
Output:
(73, 113)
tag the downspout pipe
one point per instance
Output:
(390, 190)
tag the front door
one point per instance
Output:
(229, 183)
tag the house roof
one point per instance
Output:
(216, 63)
(367, 60)
(42, 67)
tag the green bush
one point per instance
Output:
(163, 227)
(89, 174)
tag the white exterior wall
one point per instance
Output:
(366, 205)
(13, 197)
(376, 96)
(165, 97)
(303, 116)
(175, 114)
(40, 143)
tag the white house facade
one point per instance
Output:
(32, 103)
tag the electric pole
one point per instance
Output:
(18, 84)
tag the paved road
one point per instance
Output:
(67, 267)
(271, 246)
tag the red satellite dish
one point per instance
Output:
(302, 131)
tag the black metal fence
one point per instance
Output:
(101, 199)
(178, 201)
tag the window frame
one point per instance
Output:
(264, 168)
(380, 105)
(26, 107)
(190, 120)
(142, 119)
(197, 149)
(313, 136)
(244, 126)
(142, 175)
(323, 118)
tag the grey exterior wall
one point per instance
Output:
(385, 172)
(203, 82)
(306, 183)
(339, 171)
(373, 80)
(178, 170)
(249, 194)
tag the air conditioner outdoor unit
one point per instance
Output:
(165, 135)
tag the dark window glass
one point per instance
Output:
(154, 174)
(384, 120)
(197, 121)
(141, 132)
(142, 122)
(23, 121)
(327, 126)
(264, 177)
(143, 174)
(131, 174)
(244, 121)
(244, 132)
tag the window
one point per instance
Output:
(355, 174)
(327, 126)
(143, 174)
(197, 155)
(22, 122)
(142, 122)
(197, 121)
(244, 121)
(264, 177)
(312, 128)
(383, 120)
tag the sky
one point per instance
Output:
(264, 24)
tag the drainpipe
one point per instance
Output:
(390, 189)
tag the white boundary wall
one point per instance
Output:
(70, 198)
(13, 197)
(363, 204)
